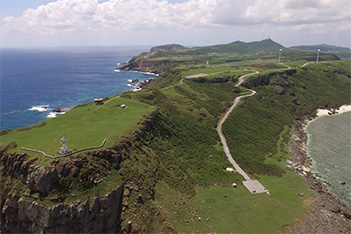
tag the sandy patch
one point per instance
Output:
(340, 110)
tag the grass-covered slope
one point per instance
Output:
(86, 125)
(253, 128)
(174, 172)
(237, 53)
(190, 184)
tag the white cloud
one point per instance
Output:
(72, 17)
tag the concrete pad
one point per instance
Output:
(255, 187)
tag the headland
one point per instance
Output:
(163, 157)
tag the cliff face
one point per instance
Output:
(21, 212)
(35, 211)
(145, 65)
(98, 214)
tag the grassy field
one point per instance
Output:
(224, 209)
(235, 210)
(84, 126)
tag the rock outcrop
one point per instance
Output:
(35, 211)
(25, 214)
(265, 79)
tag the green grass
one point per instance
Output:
(235, 210)
(216, 71)
(84, 126)
(170, 163)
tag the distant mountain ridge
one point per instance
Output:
(322, 47)
(171, 55)
(167, 47)
(266, 45)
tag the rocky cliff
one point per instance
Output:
(25, 214)
(37, 198)
(23, 211)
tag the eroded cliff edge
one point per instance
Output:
(60, 197)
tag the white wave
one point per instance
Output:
(51, 115)
(147, 73)
(132, 85)
(54, 114)
(40, 108)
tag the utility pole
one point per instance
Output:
(280, 53)
(318, 55)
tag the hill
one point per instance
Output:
(323, 48)
(163, 168)
(161, 58)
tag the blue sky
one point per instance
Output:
(44, 23)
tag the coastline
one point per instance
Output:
(327, 213)
(52, 113)
(332, 111)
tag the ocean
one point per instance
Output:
(31, 79)
(329, 147)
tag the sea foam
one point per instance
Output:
(40, 108)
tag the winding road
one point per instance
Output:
(252, 185)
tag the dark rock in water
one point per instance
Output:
(343, 183)
(348, 216)
(57, 110)
(134, 80)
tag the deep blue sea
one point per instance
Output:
(329, 147)
(59, 78)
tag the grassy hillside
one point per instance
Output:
(233, 54)
(174, 173)
(323, 47)
(86, 125)
(189, 184)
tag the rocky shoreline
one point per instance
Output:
(327, 213)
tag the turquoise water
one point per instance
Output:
(329, 146)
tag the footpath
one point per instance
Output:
(254, 186)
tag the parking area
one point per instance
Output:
(255, 187)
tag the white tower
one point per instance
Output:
(64, 149)
(280, 53)
(318, 55)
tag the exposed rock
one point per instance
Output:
(27, 212)
(327, 213)
(40, 181)
(126, 193)
(57, 110)
(278, 89)
(15, 165)
(74, 171)
(97, 215)
(296, 101)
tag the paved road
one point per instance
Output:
(253, 186)
(219, 127)
(304, 65)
